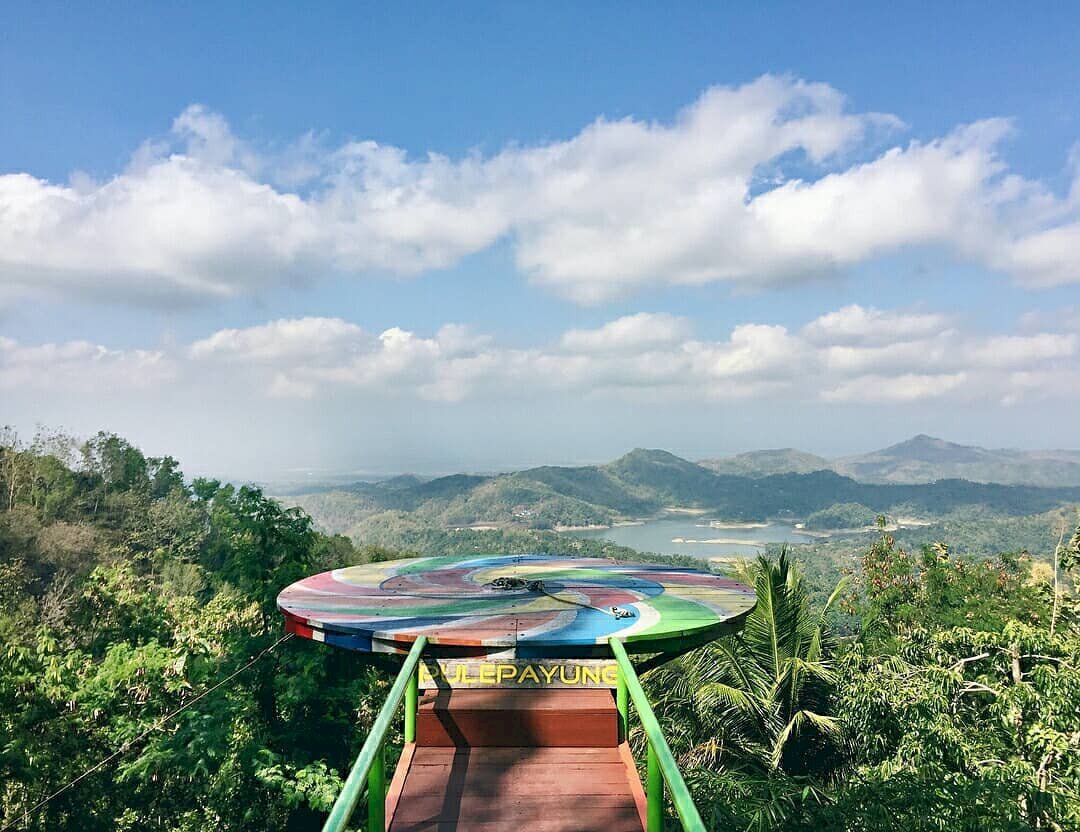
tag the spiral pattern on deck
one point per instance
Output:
(383, 607)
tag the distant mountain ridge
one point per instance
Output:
(921, 459)
(646, 482)
(766, 462)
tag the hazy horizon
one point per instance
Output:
(322, 476)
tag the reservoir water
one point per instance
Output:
(694, 536)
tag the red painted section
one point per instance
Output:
(500, 789)
(491, 717)
(490, 760)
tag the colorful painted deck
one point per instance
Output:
(514, 605)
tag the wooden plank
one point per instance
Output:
(397, 783)
(465, 728)
(541, 789)
(493, 781)
(494, 717)
(613, 824)
(634, 782)
(517, 756)
(499, 699)
(455, 806)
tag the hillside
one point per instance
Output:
(645, 482)
(925, 459)
(921, 459)
(763, 463)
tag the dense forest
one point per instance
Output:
(139, 631)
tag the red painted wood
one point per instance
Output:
(517, 718)
(519, 756)
(633, 782)
(527, 780)
(397, 782)
(622, 823)
(537, 811)
(566, 772)
(488, 789)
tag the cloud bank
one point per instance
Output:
(853, 355)
(761, 184)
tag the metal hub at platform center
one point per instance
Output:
(514, 605)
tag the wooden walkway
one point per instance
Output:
(545, 761)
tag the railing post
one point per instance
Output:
(369, 763)
(622, 702)
(412, 696)
(376, 811)
(654, 793)
(662, 768)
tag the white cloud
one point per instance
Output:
(286, 338)
(1049, 257)
(632, 333)
(1019, 350)
(861, 325)
(907, 387)
(442, 367)
(844, 357)
(770, 181)
(80, 367)
(753, 351)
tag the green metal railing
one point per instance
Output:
(660, 765)
(369, 765)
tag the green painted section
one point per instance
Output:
(659, 755)
(412, 697)
(372, 750)
(622, 702)
(654, 793)
(676, 616)
(376, 791)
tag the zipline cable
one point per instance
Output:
(157, 725)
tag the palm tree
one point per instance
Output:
(749, 715)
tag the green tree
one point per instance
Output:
(752, 714)
(961, 705)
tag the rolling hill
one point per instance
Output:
(773, 461)
(645, 482)
(921, 459)
(925, 459)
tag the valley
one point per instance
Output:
(655, 501)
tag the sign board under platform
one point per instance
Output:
(518, 673)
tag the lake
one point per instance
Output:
(660, 535)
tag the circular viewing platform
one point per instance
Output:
(515, 606)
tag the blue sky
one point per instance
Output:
(701, 228)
